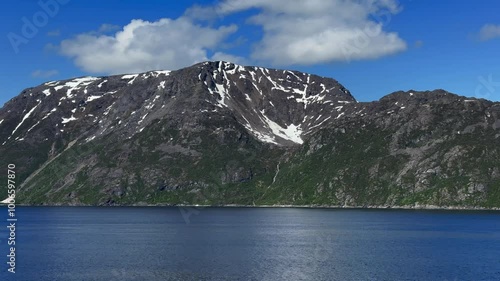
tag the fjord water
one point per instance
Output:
(73, 243)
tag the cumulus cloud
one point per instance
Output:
(143, 45)
(294, 32)
(44, 73)
(104, 28)
(316, 31)
(489, 32)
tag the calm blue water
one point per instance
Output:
(59, 243)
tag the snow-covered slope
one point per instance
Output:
(276, 106)
(280, 107)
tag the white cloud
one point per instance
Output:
(220, 56)
(104, 28)
(489, 31)
(44, 73)
(295, 32)
(142, 46)
(316, 31)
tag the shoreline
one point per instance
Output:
(338, 207)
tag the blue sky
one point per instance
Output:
(372, 47)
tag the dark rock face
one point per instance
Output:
(220, 133)
(277, 106)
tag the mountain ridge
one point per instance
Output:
(254, 119)
(221, 133)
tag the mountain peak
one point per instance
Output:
(275, 106)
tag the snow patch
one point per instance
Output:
(32, 127)
(323, 88)
(66, 120)
(277, 86)
(100, 84)
(24, 118)
(262, 137)
(232, 71)
(252, 74)
(257, 88)
(298, 78)
(223, 94)
(142, 119)
(108, 109)
(77, 84)
(162, 72)
(220, 89)
(91, 98)
(51, 83)
(303, 93)
(292, 132)
(156, 97)
(130, 77)
(320, 123)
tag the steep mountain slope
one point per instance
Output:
(220, 133)
(411, 148)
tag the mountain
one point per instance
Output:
(217, 133)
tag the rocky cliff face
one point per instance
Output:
(219, 133)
